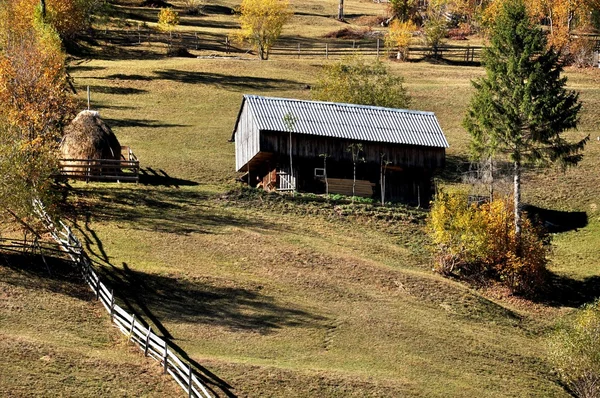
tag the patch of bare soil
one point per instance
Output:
(349, 33)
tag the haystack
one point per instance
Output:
(88, 137)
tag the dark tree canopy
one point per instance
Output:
(521, 107)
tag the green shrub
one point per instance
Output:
(575, 352)
(479, 242)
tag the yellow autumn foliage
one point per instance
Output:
(261, 23)
(574, 350)
(399, 36)
(167, 20)
(479, 241)
(561, 16)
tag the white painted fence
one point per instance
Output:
(151, 344)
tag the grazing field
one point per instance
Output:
(280, 297)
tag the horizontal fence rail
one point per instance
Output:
(100, 169)
(333, 48)
(143, 337)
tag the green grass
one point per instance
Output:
(295, 297)
(55, 340)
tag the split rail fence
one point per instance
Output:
(125, 169)
(334, 48)
(150, 343)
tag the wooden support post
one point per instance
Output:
(147, 340)
(377, 48)
(112, 304)
(97, 287)
(131, 328)
(190, 380)
(196, 37)
(326, 50)
(353, 44)
(298, 50)
(165, 357)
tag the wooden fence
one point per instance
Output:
(465, 54)
(328, 48)
(125, 169)
(150, 343)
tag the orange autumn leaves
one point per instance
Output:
(34, 94)
(561, 16)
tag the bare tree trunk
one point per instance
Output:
(341, 11)
(43, 10)
(517, 200)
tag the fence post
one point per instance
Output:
(97, 287)
(165, 358)
(377, 47)
(298, 50)
(190, 380)
(196, 37)
(112, 304)
(147, 340)
(326, 50)
(131, 328)
(353, 44)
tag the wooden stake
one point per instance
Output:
(165, 357)
(131, 328)
(112, 303)
(189, 380)
(147, 341)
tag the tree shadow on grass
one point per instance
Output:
(555, 221)
(154, 299)
(149, 176)
(227, 81)
(140, 123)
(177, 211)
(563, 291)
(205, 300)
(30, 271)
(116, 90)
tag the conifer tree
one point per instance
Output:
(521, 107)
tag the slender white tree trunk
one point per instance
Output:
(517, 199)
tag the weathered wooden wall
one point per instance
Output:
(310, 146)
(246, 139)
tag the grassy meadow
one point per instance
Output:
(275, 297)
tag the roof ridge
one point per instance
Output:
(374, 107)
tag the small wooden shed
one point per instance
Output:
(288, 144)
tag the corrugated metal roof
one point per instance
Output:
(348, 121)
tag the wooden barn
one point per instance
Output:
(309, 146)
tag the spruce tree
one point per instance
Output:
(521, 107)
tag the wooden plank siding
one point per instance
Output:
(247, 140)
(310, 146)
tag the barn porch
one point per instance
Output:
(408, 185)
